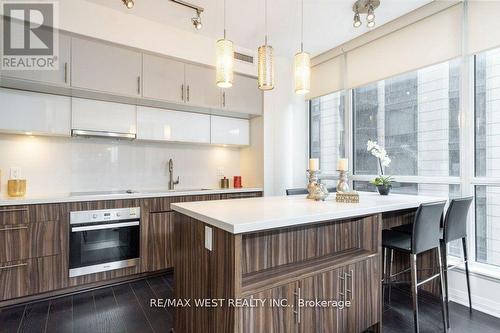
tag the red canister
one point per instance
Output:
(237, 182)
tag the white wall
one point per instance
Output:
(285, 133)
(63, 165)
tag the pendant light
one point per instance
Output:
(224, 59)
(302, 64)
(265, 61)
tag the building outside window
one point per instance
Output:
(487, 161)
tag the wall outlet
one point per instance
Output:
(220, 172)
(15, 173)
(208, 238)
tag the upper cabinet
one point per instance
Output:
(243, 97)
(163, 79)
(29, 112)
(103, 67)
(59, 77)
(201, 89)
(99, 116)
(230, 131)
(167, 125)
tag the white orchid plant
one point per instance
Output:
(383, 161)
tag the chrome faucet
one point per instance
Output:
(171, 182)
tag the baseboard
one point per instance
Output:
(482, 304)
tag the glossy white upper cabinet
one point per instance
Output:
(243, 97)
(99, 116)
(29, 112)
(230, 131)
(167, 125)
(103, 67)
(59, 77)
(163, 79)
(201, 89)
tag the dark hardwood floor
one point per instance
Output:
(125, 308)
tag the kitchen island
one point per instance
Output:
(286, 264)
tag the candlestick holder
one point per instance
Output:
(343, 185)
(317, 191)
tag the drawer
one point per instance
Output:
(14, 215)
(31, 276)
(31, 240)
(163, 204)
(241, 195)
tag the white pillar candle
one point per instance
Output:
(314, 164)
(343, 164)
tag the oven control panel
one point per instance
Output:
(102, 215)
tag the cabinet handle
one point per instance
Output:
(187, 93)
(297, 313)
(224, 99)
(182, 92)
(14, 228)
(139, 85)
(349, 275)
(65, 72)
(342, 278)
(14, 210)
(14, 266)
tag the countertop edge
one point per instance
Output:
(300, 220)
(145, 195)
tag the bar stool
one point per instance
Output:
(454, 228)
(424, 237)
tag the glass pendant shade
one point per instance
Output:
(266, 67)
(224, 59)
(302, 73)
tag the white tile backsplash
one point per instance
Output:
(63, 165)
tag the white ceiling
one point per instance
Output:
(327, 23)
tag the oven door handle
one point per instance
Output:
(105, 226)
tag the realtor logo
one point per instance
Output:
(30, 35)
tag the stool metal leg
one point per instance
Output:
(443, 295)
(384, 274)
(464, 245)
(390, 275)
(444, 258)
(414, 290)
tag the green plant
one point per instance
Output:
(382, 181)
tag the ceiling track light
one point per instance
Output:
(128, 3)
(365, 7)
(196, 21)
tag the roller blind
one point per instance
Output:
(483, 25)
(326, 77)
(431, 40)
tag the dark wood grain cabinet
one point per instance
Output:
(350, 296)
(34, 243)
(159, 241)
(277, 315)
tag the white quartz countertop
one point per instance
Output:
(255, 214)
(118, 196)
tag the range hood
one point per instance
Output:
(101, 134)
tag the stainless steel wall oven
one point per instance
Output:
(103, 240)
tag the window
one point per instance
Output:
(327, 131)
(487, 108)
(415, 117)
(487, 161)
(488, 224)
